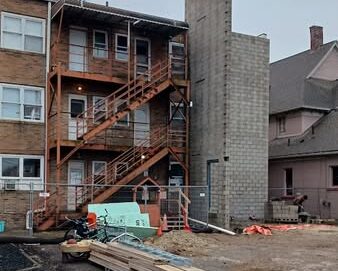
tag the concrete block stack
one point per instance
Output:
(279, 211)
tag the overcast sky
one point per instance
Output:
(286, 22)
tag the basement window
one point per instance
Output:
(334, 175)
(22, 33)
(21, 103)
(100, 44)
(121, 47)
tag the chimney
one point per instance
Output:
(317, 39)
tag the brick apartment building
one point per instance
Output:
(23, 58)
(111, 108)
(96, 96)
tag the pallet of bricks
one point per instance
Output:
(280, 211)
(119, 257)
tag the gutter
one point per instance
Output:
(125, 16)
(300, 155)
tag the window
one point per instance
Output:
(76, 107)
(334, 175)
(20, 171)
(22, 33)
(120, 106)
(120, 169)
(21, 103)
(177, 113)
(121, 47)
(288, 182)
(281, 124)
(100, 44)
(99, 170)
(99, 109)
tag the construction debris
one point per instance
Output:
(212, 226)
(120, 257)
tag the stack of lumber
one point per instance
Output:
(119, 257)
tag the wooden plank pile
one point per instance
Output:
(119, 257)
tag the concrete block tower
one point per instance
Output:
(229, 118)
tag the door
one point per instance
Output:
(143, 56)
(77, 50)
(77, 105)
(75, 177)
(142, 125)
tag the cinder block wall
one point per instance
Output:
(247, 126)
(210, 28)
(229, 118)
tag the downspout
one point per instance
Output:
(46, 95)
(209, 162)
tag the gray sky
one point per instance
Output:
(286, 22)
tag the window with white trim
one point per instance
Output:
(99, 167)
(334, 174)
(100, 39)
(121, 47)
(19, 172)
(99, 109)
(21, 103)
(22, 33)
(120, 106)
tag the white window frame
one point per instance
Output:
(96, 110)
(120, 123)
(21, 182)
(100, 49)
(98, 162)
(181, 106)
(119, 164)
(118, 51)
(23, 23)
(22, 102)
(281, 122)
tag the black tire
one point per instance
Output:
(71, 234)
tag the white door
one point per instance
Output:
(142, 55)
(75, 177)
(77, 105)
(142, 125)
(77, 50)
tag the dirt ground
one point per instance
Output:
(311, 249)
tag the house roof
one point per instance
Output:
(320, 139)
(290, 87)
(115, 15)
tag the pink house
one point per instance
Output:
(303, 127)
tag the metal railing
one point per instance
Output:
(118, 102)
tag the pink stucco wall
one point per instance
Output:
(328, 70)
(311, 177)
(296, 123)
